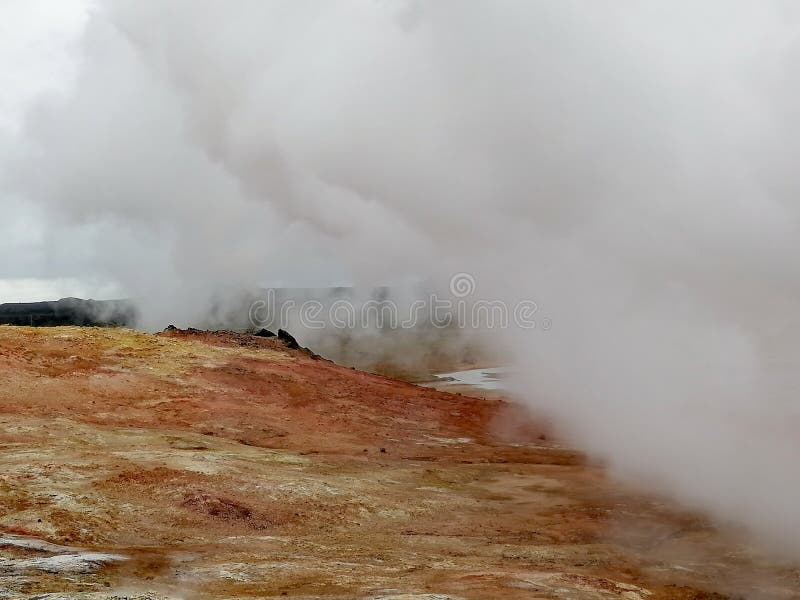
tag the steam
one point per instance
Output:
(629, 167)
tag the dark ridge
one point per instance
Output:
(288, 339)
(69, 311)
(244, 338)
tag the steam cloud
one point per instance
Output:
(629, 166)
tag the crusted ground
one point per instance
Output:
(228, 466)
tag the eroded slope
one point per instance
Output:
(228, 466)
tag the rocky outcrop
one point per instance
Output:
(288, 339)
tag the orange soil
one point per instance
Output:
(227, 466)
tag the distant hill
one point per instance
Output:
(68, 311)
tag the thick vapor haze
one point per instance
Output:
(627, 166)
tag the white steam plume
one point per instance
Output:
(628, 166)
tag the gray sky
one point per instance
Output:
(37, 57)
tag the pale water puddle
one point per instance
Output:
(492, 378)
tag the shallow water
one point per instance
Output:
(492, 378)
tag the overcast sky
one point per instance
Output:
(37, 57)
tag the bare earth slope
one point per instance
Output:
(227, 466)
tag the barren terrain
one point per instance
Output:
(200, 465)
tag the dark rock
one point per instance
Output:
(264, 333)
(288, 339)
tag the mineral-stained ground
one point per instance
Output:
(218, 465)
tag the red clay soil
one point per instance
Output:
(225, 465)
